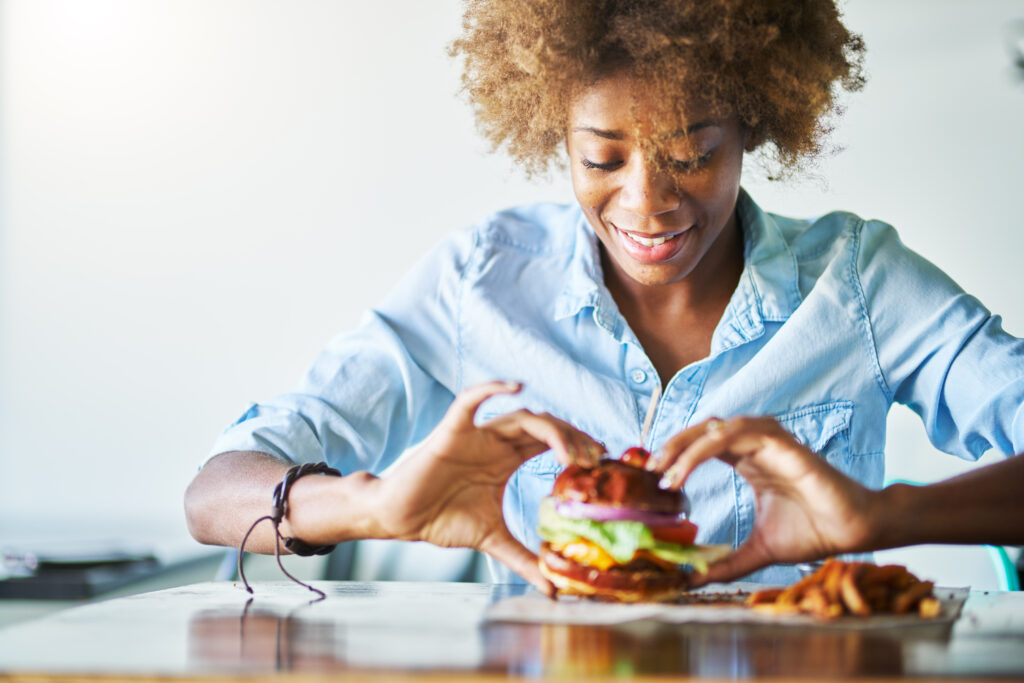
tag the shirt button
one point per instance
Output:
(638, 376)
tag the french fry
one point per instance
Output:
(912, 596)
(831, 573)
(849, 592)
(855, 588)
(929, 607)
(816, 603)
(776, 608)
(761, 597)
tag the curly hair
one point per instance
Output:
(775, 64)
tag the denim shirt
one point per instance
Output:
(832, 321)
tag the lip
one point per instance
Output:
(651, 254)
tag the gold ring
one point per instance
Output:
(714, 425)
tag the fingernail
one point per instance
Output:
(514, 386)
(654, 460)
(595, 452)
(665, 483)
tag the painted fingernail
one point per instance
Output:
(665, 482)
(654, 460)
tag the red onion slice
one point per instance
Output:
(605, 513)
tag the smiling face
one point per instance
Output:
(659, 223)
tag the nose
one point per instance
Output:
(648, 190)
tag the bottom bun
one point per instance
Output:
(619, 584)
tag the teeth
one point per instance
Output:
(647, 241)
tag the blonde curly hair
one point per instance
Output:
(776, 64)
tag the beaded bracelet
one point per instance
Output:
(278, 513)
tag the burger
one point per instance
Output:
(610, 532)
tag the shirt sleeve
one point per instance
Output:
(375, 391)
(940, 351)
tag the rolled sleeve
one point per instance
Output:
(942, 353)
(373, 392)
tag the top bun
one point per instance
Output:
(616, 484)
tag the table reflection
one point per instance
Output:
(257, 638)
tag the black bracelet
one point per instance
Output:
(278, 513)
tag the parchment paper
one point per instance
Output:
(714, 604)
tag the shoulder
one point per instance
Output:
(839, 236)
(810, 238)
(532, 229)
(502, 245)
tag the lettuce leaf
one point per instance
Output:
(621, 539)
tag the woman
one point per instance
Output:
(663, 278)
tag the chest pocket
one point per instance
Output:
(824, 428)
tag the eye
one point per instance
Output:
(610, 166)
(691, 165)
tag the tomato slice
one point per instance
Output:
(682, 533)
(635, 456)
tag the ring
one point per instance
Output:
(714, 425)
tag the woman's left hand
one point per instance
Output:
(449, 492)
(805, 508)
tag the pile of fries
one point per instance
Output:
(851, 588)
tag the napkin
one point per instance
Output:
(714, 604)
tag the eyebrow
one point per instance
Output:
(619, 135)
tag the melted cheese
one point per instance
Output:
(586, 553)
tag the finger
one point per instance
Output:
(569, 444)
(727, 441)
(504, 548)
(586, 450)
(740, 562)
(465, 405)
(704, 441)
(664, 457)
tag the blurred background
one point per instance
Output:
(196, 195)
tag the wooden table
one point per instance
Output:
(438, 630)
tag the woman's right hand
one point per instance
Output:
(805, 509)
(449, 491)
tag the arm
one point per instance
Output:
(807, 510)
(985, 505)
(234, 489)
(448, 492)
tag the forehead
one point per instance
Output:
(623, 101)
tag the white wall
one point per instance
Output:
(195, 195)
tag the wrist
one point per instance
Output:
(328, 510)
(892, 506)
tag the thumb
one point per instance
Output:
(740, 562)
(504, 548)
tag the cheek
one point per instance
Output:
(588, 194)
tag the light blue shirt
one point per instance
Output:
(833, 320)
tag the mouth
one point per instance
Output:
(651, 248)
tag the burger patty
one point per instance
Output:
(640, 576)
(616, 484)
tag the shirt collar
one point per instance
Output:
(770, 269)
(584, 281)
(768, 288)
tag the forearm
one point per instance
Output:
(234, 489)
(982, 506)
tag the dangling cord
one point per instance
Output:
(279, 512)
